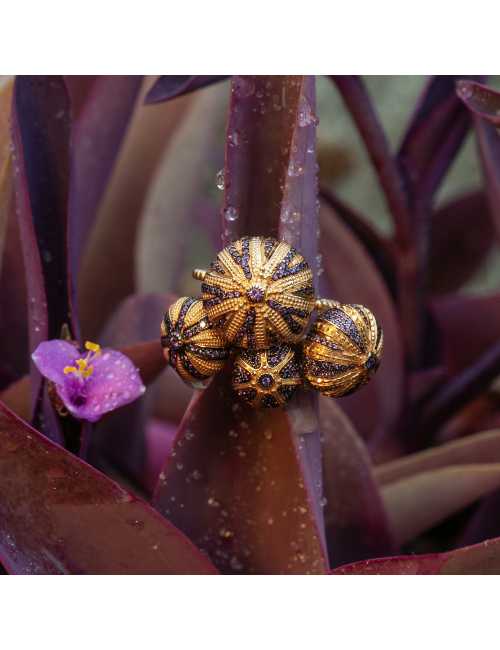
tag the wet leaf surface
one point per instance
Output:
(58, 515)
(412, 504)
(357, 526)
(481, 559)
(246, 485)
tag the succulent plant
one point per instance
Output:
(109, 197)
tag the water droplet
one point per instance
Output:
(213, 503)
(220, 179)
(464, 90)
(295, 168)
(323, 502)
(235, 138)
(306, 117)
(225, 533)
(270, 521)
(243, 87)
(230, 214)
(179, 466)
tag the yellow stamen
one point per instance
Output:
(84, 369)
(93, 347)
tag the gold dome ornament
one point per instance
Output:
(343, 349)
(266, 378)
(191, 345)
(260, 291)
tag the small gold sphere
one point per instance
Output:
(266, 378)
(343, 349)
(191, 346)
(260, 291)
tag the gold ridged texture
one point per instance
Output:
(266, 378)
(191, 345)
(260, 290)
(343, 350)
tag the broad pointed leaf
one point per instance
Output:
(483, 559)
(58, 515)
(246, 484)
(421, 501)
(357, 526)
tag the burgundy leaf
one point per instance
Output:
(96, 139)
(412, 504)
(462, 234)
(58, 515)
(14, 344)
(41, 133)
(120, 438)
(481, 559)
(478, 448)
(263, 115)
(480, 100)
(41, 141)
(351, 277)
(356, 522)
(234, 485)
(461, 389)
(170, 86)
(469, 325)
(363, 113)
(433, 137)
(185, 176)
(484, 523)
(121, 210)
(246, 484)
(484, 105)
(381, 250)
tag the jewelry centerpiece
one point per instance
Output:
(257, 298)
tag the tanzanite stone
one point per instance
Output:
(266, 381)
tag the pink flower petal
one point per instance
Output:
(114, 382)
(51, 357)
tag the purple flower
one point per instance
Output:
(90, 384)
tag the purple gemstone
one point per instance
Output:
(256, 294)
(266, 381)
(371, 363)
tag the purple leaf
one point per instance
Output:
(481, 559)
(484, 105)
(234, 484)
(96, 139)
(462, 235)
(457, 316)
(122, 210)
(74, 519)
(411, 502)
(480, 100)
(41, 133)
(350, 276)
(170, 86)
(41, 140)
(363, 113)
(479, 448)
(120, 438)
(382, 251)
(255, 504)
(356, 522)
(433, 137)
